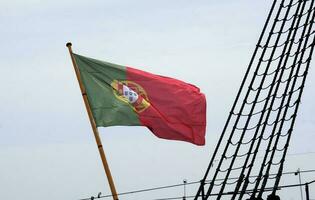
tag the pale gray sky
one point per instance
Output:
(47, 150)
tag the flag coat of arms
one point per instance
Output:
(124, 96)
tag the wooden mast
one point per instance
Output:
(93, 124)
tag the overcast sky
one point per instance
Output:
(47, 150)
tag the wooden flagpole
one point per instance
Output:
(93, 124)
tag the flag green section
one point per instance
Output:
(97, 77)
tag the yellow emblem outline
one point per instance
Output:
(137, 107)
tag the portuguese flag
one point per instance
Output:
(124, 96)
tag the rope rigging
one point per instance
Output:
(233, 180)
(263, 114)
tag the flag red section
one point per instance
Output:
(177, 109)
